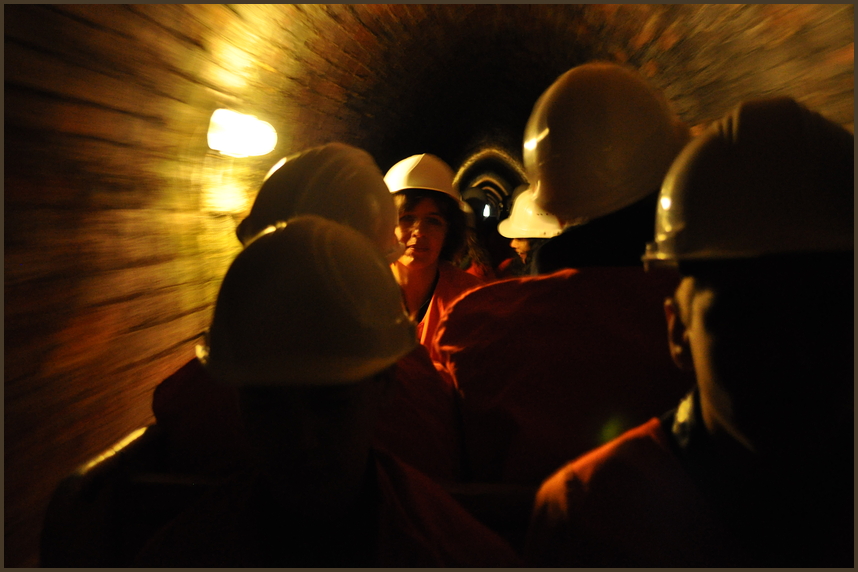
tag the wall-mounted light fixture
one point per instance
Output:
(239, 135)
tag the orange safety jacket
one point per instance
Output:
(552, 366)
(452, 283)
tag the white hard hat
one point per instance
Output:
(309, 303)
(528, 220)
(336, 181)
(599, 139)
(771, 177)
(422, 172)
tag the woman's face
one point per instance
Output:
(522, 247)
(422, 230)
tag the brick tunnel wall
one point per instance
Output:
(119, 222)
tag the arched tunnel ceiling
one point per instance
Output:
(451, 79)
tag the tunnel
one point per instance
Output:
(120, 220)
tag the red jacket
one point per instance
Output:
(652, 499)
(202, 424)
(410, 522)
(552, 366)
(419, 424)
(628, 504)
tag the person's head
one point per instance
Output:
(770, 341)
(597, 146)
(757, 213)
(307, 324)
(432, 225)
(335, 181)
(525, 248)
(528, 225)
(599, 139)
(521, 247)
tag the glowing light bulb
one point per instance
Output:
(486, 211)
(239, 135)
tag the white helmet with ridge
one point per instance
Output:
(528, 220)
(599, 139)
(423, 171)
(311, 302)
(771, 177)
(336, 181)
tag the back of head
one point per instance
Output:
(335, 181)
(770, 178)
(598, 140)
(310, 303)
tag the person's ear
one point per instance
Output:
(677, 336)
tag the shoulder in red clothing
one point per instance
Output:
(634, 449)
(452, 283)
(418, 423)
(458, 278)
(565, 362)
(629, 503)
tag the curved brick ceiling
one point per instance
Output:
(447, 79)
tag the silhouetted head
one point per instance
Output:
(335, 181)
(308, 323)
(757, 214)
(596, 148)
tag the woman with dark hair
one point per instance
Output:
(432, 228)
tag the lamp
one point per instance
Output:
(239, 135)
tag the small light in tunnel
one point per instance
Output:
(239, 135)
(487, 212)
(665, 203)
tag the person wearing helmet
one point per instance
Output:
(309, 342)
(596, 364)
(596, 148)
(755, 468)
(335, 181)
(199, 419)
(432, 228)
(529, 227)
